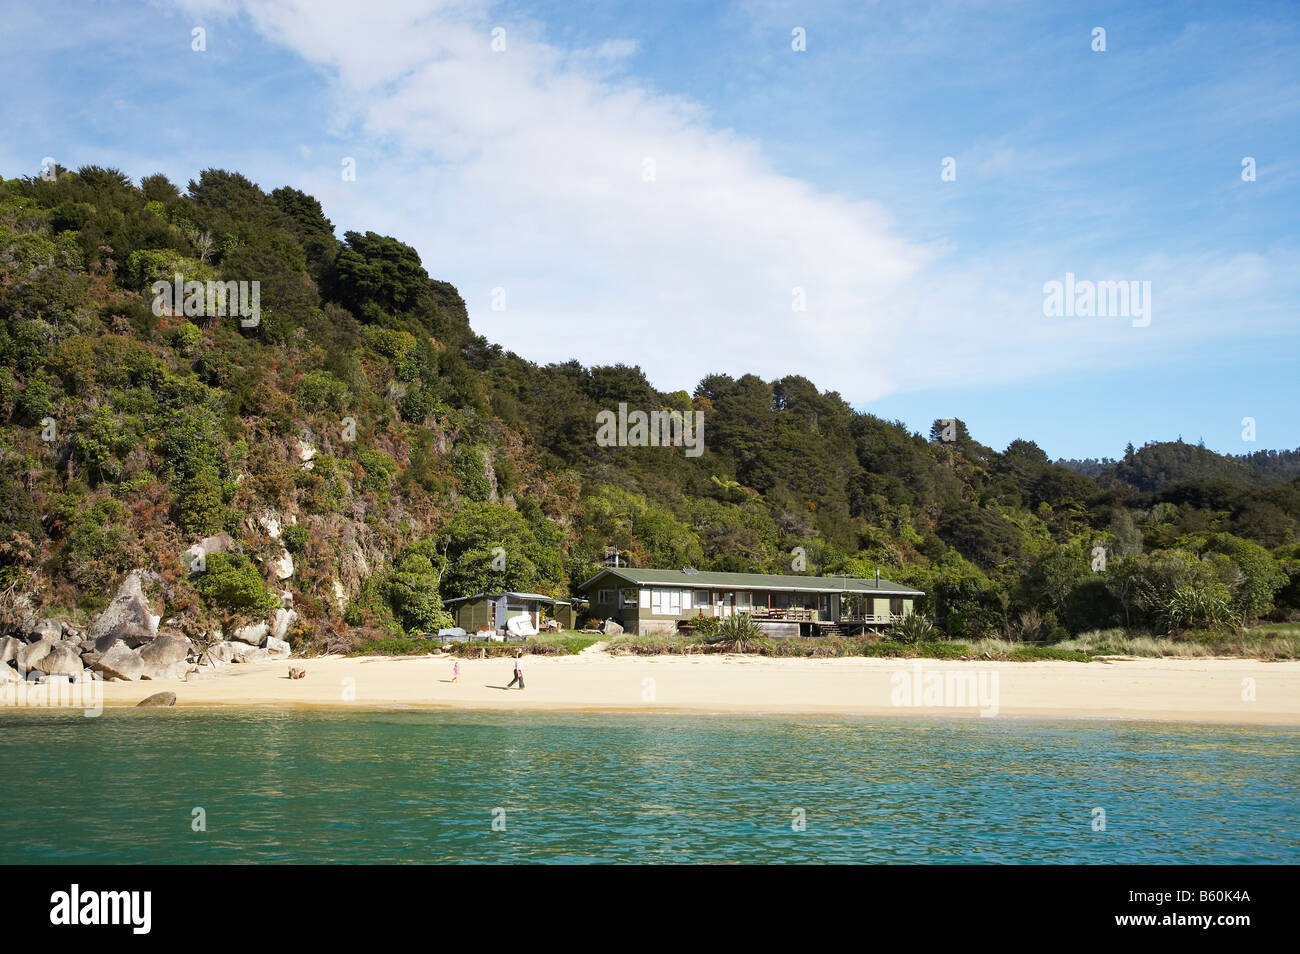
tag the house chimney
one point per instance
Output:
(877, 577)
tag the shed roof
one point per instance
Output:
(520, 596)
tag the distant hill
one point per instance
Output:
(1159, 466)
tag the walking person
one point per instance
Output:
(519, 672)
(455, 671)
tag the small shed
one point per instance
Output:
(491, 610)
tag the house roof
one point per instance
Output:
(752, 581)
(520, 596)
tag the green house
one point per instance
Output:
(491, 610)
(657, 601)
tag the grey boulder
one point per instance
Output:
(252, 655)
(218, 654)
(29, 655)
(46, 629)
(176, 670)
(281, 621)
(276, 647)
(165, 650)
(120, 662)
(253, 634)
(158, 699)
(129, 615)
(62, 660)
(9, 647)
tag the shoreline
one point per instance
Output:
(1198, 690)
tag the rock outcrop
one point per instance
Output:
(253, 634)
(129, 616)
(282, 621)
(282, 566)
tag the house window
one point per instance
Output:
(666, 602)
(702, 600)
(627, 597)
(603, 597)
(896, 606)
(743, 600)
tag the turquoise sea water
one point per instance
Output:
(404, 786)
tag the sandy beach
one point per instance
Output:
(1185, 690)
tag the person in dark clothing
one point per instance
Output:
(519, 672)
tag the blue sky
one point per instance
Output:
(660, 184)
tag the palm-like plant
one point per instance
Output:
(741, 632)
(912, 629)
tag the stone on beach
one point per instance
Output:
(120, 662)
(165, 650)
(158, 699)
(62, 660)
(218, 654)
(9, 647)
(253, 634)
(129, 615)
(29, 655)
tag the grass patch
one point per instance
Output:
(1269, 642)
(394, 647)
(832, 647)
(566, 643)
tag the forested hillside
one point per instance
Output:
(360, 449)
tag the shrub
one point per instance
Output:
(467, 465)
(321, 391)
(200, 507)
(912, 629)
(294, 538)
(232, 583)
(706, 627)
(34, 402)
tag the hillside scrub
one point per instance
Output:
(402, 460)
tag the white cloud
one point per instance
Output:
(527, 170)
